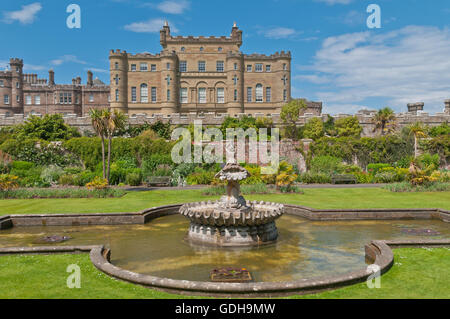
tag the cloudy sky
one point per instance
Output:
(337, 59)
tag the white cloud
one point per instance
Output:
(97, 70)
(400, 66)
(173, 7)
(150, 26)
(277, 32)
(333, 2)
(67, 59)
(26, 15)
(32, 67)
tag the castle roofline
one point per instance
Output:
(276, 55)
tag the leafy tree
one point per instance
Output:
(348, 126)
(48, 128)
(99, 125)
(314, 129)
(114, 121)
(419, 131)
(290, 114)
(443, 129)
(385, 121)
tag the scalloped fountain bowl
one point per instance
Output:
(232, 221)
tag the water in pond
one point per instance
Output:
(305, 249)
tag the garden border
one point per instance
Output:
(379, 252)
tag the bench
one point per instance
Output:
(165, 181)
(344, 179)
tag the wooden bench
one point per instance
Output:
(165, 181)
(344, 179)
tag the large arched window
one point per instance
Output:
(144, 93)
(259, 94)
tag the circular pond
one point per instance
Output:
(305, 249)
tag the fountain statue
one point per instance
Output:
(232, 221)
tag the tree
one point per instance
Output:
(99, 125)
(48, 128)
(348, 126)
(314, 129)
(419, 131)
(290, 114)
(385, 121)
(114, 121)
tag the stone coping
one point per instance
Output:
(379, 252)
(145, 216)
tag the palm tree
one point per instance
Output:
(384, 120)
(99, 126)
(419, 131)
(115, 121)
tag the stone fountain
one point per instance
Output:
(232, 221)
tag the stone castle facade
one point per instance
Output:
(200, 75)
(27, 94)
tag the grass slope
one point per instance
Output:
(317, 198)
(417, 273)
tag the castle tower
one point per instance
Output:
(415, 107)
(119, 80)
(284, 59)
(165, 34)
(17, 103)
(51, 77)
(169, 83)
(235, 83)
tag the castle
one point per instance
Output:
(27, 94)
(200, 75)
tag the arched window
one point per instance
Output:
(144, 93)
(259, 93)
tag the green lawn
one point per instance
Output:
(331, 198)
(417, 273)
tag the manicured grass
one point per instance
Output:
(417, 273)
(332, 198)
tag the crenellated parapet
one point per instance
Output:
(275, 56)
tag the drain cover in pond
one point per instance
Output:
(231, 275)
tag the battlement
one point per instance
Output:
(118, 53)
(200, 39)
(16, 61)
(276, 55)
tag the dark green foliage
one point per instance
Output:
(441, 130)
(151, 164)
(48, 128)
(348, 126)
(326, 164)
(164, 130)
(408, 187)
(314, 129)
(134, 179)
(61, 193)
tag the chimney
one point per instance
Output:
(78, 80)
(415, 107)
(447, 107)
(90, 81)
(51, 77)
(74, 81)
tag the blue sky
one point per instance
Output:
(337, 59)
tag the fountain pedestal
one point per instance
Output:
(232, 221)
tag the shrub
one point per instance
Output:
(364, 178)
(425, 160)
(286, 175)
(51, 174)
(150, 165)
(181, 172)
(245, 190)
(61, 193)
(200, 178)
(407, 187)
(97, 183)
(315, 178)
(134, 179)
(67, 179)
(375, 168)
(326, 165)
(49, 127)
(21, 165)
(348, 126)
(291, 189)
(8, 182)
(314, 129)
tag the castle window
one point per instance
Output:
(285, 95)
(220, 95)
(153, 94)
(201, 66)
(28, 99)
(249, 94)
(183, 95)
(202, 49)
(269, 94)
(284, 66)
(17, 85)
(284, 79)
(183, 66)
(168, 66)
(268, 68)
(235, 80)
(6, 99)
(65, 98)
(235, 95)
(133, 68)
(183, 49)
(153, 68)
(2, 84)
(133, 94)
(249, 68)
(168, 95)
(117, 95)
(220, 49)
(259, 93)
(117, 79)
(91, 97)
(116, 65)
(202, 95)
(143, 67)
(144, 93)
(258, 67)
(17, 98)
(235, 66)
(168, 78)
(220, 66)
(37, 100)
